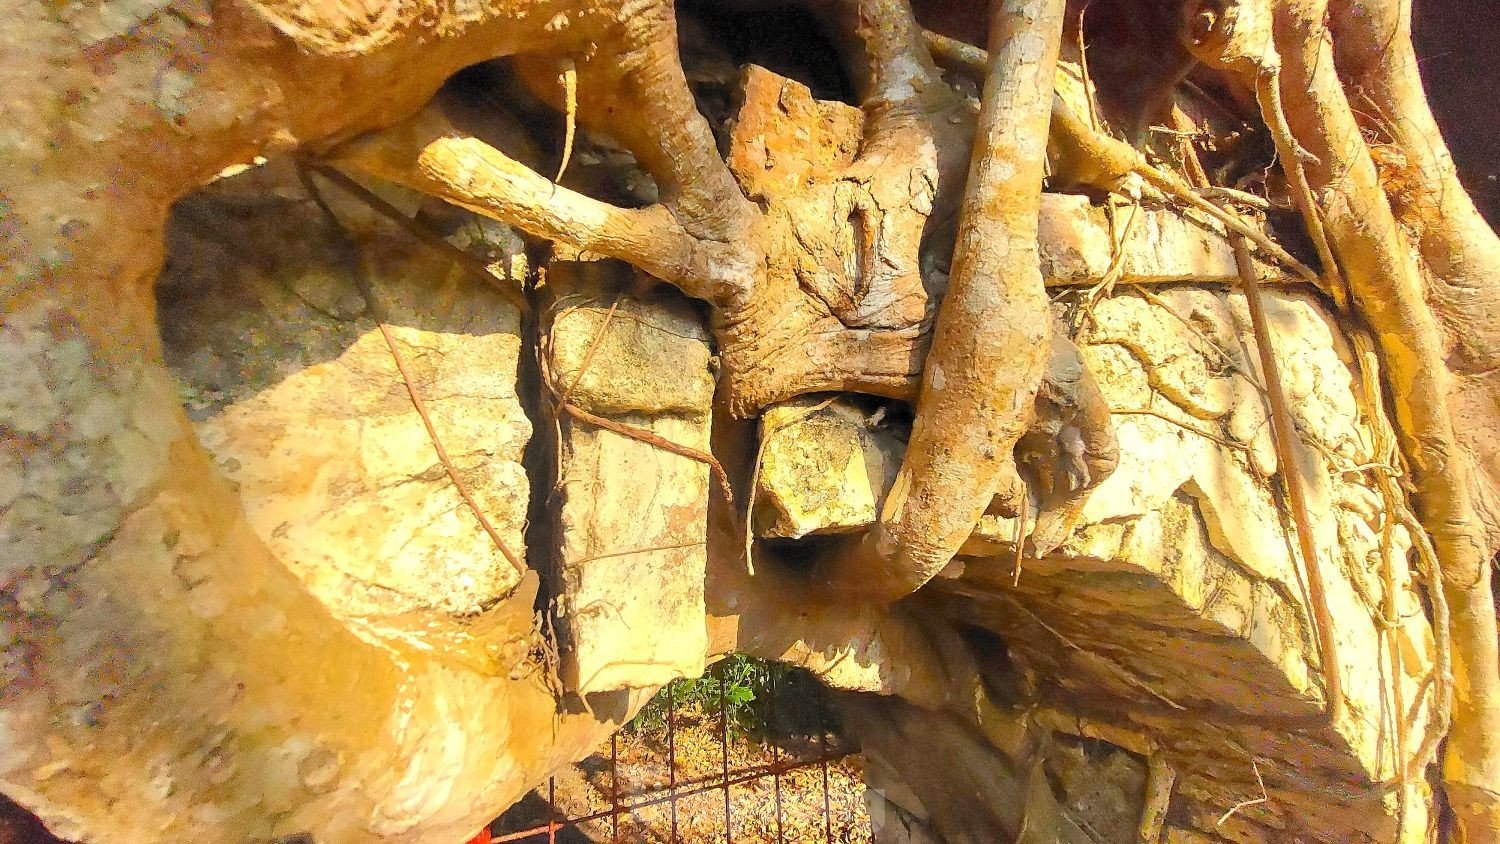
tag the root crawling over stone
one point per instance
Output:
(985, 361)
(800, 308)
(889, 249)
(1297, 53)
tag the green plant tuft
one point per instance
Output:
(760, 699)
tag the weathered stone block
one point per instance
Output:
(823, 468)
(1162, 245)
(632, 517)
(1180, 590)
(297, 396)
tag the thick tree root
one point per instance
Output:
(1387, 288)
(1107, 163)
(1290, 53)
(989, 344)
(798, 306)
(785, 324)
(978, 391)
(1438, 349)
(1460, 255)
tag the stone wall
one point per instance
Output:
(242, 599)
(1176, 611)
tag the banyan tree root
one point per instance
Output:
(1401, 243)
(1429, 306)
(990, 342)
(1459, 258)
(798, 305)
(1109, 164)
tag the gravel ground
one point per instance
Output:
(642, 774)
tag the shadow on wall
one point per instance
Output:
(18, 826)
(1455, 43)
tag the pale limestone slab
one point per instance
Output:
(632, 517)
(299, 400)
(1181, 578)
(1162, 245)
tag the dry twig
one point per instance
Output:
(378, 311)
(1245, 804)
(1282, 435)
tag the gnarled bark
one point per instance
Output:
(145, 583)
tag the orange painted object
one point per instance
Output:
(482, 838)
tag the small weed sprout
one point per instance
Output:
(759, 698)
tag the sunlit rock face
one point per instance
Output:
(273, 615)
(823, 468)
(1179, 592)
(241, 598)
(631, 516)
(295, 393)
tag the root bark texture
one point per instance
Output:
(989, 343)
(799, 306)
(1388, 289)
(888, 249)
(1408, 241)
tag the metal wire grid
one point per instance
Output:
(626, 804)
